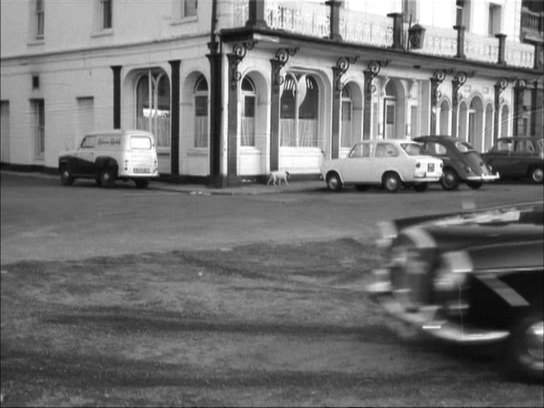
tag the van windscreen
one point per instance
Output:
(140, 142)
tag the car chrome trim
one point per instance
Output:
(420, 237)
(427, 319)
(485, 177)
(506, 292)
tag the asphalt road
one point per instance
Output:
(42, 220)
(191, 317)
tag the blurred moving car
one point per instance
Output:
(388, 163)
(518, 157)
(110, 155)
(470, 278)
(461, 162)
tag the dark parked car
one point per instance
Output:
(462, 163)
(518, 157)
(470, 278)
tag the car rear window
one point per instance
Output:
(413, 149)
(463, 147)
(140, 142)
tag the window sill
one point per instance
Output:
(198, 151)
(102, 33)
(36, 41)
(184, 20)
(250, 150)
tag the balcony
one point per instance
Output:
(313, 20)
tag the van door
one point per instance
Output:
(84, 160)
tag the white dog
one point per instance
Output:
(277, 177)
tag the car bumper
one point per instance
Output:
(485, 177)
(424, 179)
(429, 320)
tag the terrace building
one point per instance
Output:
(235, 88)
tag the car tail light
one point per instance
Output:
(418, 165)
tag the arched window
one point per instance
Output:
(390, 111)
(444, 118)
(201, 113)
(153, 105)
(249, 99)
(299, 111)
(346, 137)
(504, 122)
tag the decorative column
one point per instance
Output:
(457, 83)
(374, 68)
(256, 14)
(500, 86)
(502, 48)
(282, 56)
(216, 101)
(116, 96)
(519, 91)
(436, 80)
(460, 41)
(239, 51)
(398, 43)
(334, 19)
(174, 118)
(342, 65)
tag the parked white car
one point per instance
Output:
(388, 163)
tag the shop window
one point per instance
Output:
(248, 113)
(38, 124)
(299, 111)
(153, 106)
(201, 113)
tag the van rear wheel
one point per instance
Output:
(107, 178)
(141, 183)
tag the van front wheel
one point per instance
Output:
(66, 177)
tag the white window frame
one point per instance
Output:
(39, 19)
(182, 10)
(248, 140)
(100, 15)
(494, 19)
(201, 94)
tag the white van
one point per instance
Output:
(110, 155)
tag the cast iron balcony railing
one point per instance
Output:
(313, 19)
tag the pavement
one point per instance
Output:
(296, 186)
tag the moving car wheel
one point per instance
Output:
(537, 175)
(449, 180)
(107, 178)
(333, 182)
(391, 182)
(420, 188)
(475, 185)
(66, 177)
(526, 349)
